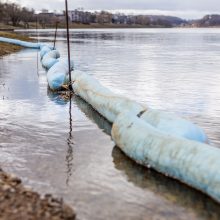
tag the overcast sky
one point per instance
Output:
(183, 8)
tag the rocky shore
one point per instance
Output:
(18, 202)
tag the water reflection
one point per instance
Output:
(38, 64)
(57, 97)
(93, 115)
(70, 143)
(148, 179)
(63, 98)
(170, 189)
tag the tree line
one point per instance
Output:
(14, 14)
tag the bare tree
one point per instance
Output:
(27, 16)
(2, 11)
(14, 13)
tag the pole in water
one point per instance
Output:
(37, 42)
(55, 36)
(68, 44)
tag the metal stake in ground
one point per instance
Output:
(55, 35)
(68, 44)
(37, 42)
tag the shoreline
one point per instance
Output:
(6, 48)
(11, 29)
(17, 201)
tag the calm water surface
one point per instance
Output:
(64, 147)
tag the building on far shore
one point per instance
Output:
(81, 16)
(46, 17)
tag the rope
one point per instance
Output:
(55, 35)
(37, 42)
(68, 42)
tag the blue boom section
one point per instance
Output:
(50, 58)
(20, 43)
(56, 76)
(110, 105)
(193, 163)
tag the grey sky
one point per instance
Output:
(184, 8)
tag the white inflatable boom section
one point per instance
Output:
(102, 99)
(169, 144)
(57, 76)
(57, 68)
(193, 163)
(20, 43)
(50, 58)
(111, 105)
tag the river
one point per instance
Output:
(64, 147)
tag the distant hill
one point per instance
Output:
(169, 20)
(207, 21)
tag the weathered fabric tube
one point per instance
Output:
(102, 99)
(174, 125)
(50, 58)
(107, 103)
(193, 163)
(20, 43)
(44, 49)
(111, 105)
(57, 75)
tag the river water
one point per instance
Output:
(63, 146)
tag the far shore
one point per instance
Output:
(61, 25)
(76, 26)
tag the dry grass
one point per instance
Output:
(14, 35)
(10, 48)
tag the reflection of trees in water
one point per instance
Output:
(170, 189)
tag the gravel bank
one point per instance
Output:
(18, 202)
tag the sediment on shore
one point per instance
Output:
(18, 202)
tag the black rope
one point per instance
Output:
(55, 35)
(37, 42)
(70, 143)
(68, 44)
(141, 113)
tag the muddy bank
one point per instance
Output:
(18, 202)
(9, 48)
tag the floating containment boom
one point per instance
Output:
(20, 43)
(50, 58)
(57, 75)
(193, 163)
(110, 105)
(169, 144)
